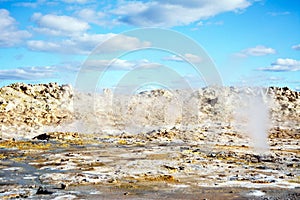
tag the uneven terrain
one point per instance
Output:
(212, 143)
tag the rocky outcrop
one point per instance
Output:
(286, 104)
(27, 108)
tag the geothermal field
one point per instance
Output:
(209, 143)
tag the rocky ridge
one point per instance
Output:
(29, 108)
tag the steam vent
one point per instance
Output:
(211, 143)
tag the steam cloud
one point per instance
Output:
(253, 114)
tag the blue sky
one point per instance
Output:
(251, 42)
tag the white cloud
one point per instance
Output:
(27, 73)
(274, 14)
(217, 23)
(75, 39)
(200, 23)
(296, 47)
(275, 79)
(174, 58)
(119, 64)
(173, 12)
(91, 16)
(76, 1)
(85, 43)
(27, 4)
(33, 4)
(42, 45)
(112, 64)
(193, 58)
(101, 18)
(59, 24)
(10, 35)
(259, 50)
(209, 23)
(149, 65)
(189, 57)
(282, 65)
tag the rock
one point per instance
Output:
(212, 155)
(41, 190)
(25, 105)
(43, 136)
(48, 104)
(58, 136)
(61, 187)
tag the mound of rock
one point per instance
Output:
(160, 108)
(27, 108)
(287, 104)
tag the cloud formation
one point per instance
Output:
(10, 35)
(59, 24)
(34, 4)
(259, 50)
(85, 43)
(72, 37)
(189, 57)
(296, 47)
(76, 1)
(92, 16)
(71, 33)
(28, 73)
(119, 64)
(283, 65)
(173, 12)
(274, 14)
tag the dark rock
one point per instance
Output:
(255, 158)
(62, 187)
(290, 174)
(212, 102)
(41, 190)
(292, 165)
(267, 159)
(169, 167)
(43, 136)
(261, 167)
(196, 150)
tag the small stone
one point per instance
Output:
(292, 165)
(212, 155)
(261, 167)
(289, 174)
(41, 190)
(61, 187)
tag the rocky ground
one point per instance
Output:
(60, 144)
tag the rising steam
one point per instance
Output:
(253, 114)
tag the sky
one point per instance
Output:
(248, 42)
